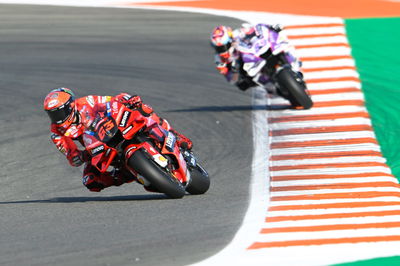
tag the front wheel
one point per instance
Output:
(199, 181)
(161, 180)
(295, 87)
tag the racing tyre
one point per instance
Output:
(296, 88)
(199, 181)
(162, 181)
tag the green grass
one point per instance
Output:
(376, 48)
(389, 261)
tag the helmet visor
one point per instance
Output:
(60, 114)
(223, 48)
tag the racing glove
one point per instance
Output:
(223, 68)
(132, 102)
(135, 102)
(60, 144)
(67, 147)
(77, 158)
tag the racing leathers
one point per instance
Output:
(242, 51)
(229, 65)
(86, 108)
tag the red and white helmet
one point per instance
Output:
(221, 39)
(59, 104)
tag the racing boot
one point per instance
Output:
(96, 181)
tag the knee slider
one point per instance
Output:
(91, 183)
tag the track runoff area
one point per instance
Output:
(321, 192)
(330, 196)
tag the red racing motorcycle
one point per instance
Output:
(118, 139)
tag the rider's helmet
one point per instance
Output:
(59, 104)
(221, 39)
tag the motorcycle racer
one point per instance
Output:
(227, 57)
(241, 51)
(70, 117)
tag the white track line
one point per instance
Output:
(352, 220)
(331, 74)
(333, 181)
(323, 136)
(323, 51)
(328, 234)
(330, 201)
(332, 210)
(314, 31)
(328, 63)
(347, 159)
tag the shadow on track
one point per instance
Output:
(91, 199)
(220, 108)
(233, 108)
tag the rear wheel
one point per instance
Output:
(199, 181)
(161, 180)
(296, 88)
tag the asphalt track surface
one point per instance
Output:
(47, 216)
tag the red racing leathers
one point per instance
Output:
(86, 109)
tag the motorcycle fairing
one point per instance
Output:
(102, 155)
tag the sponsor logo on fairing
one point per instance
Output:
(97, 150)
(124, 118)
(126, 130)
(170, 142)
(161, 160)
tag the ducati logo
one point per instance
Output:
(124, 119)
(97, 150)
